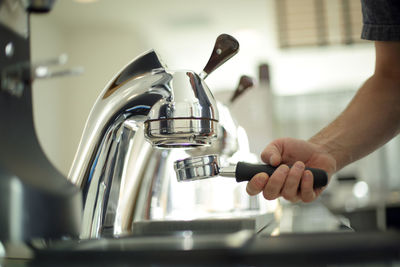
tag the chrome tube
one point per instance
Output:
(144, 107)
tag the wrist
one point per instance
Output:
(330, 151)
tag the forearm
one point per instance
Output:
(371, 119)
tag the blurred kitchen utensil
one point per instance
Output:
(245, 83)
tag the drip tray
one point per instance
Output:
(202, 226)
(204, 234)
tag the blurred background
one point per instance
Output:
(306, 57)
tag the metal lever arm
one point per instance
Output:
(225, 47)
(14, 78)
(245, 83)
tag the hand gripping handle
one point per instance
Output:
(245, 171)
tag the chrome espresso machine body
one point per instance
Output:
(119, 164)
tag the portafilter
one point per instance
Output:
(203, 167)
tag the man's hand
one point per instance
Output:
(293, 183)
(370, 120)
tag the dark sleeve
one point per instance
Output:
(381, 20)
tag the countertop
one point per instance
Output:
(301, 234)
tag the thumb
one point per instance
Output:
(272, 153)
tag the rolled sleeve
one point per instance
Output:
(381, 20)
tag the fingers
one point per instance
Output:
(275, 183)
(307, 193)
(257, 184)
(291, 186)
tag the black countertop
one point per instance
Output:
(288, 249)
(303, 235)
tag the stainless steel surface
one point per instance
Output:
(222, 233)
(201, 167)
(184, 240)
(196, 168)
(43, 70)
(122, 166)
(9, 49)
(228, 171)
(147, 93)
(298, 234)
(118, 165)
(308, 218)
(230, 242)
(15, 78)
(173, 241)
(250, 222)
(231, 142)
(239, 249)
(187, 116)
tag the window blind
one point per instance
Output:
(318, 22)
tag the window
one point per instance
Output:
(318, 22)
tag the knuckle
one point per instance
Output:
(292, 182)
(283, 170)
(297, 169)
(272, 189)
(265, 156)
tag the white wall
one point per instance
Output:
(62, 105)
(299, 71)
(48, 42)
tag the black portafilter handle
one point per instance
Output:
(245, 171)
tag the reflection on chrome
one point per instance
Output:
(124, 163)
(144, 107)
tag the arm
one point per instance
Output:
(373, 116)
(371, 119)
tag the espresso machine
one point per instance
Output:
(147, 117)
